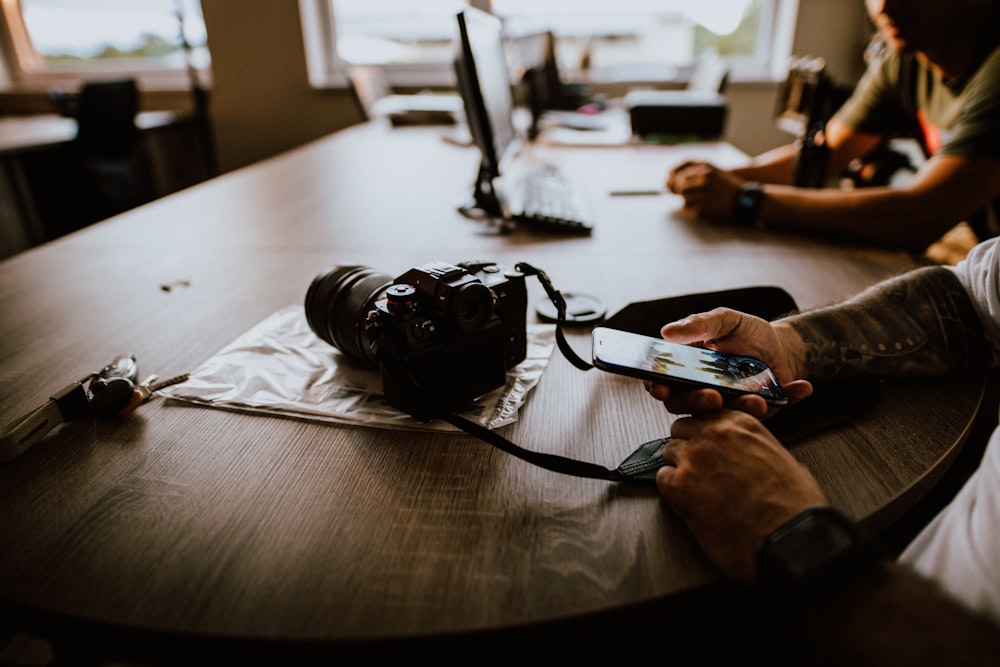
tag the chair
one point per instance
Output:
(369, 84)
(541, 82)
(116, 170)
(375, 99)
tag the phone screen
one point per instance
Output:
(659, 360)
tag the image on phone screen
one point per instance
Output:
(662, 361)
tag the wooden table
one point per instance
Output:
(181, 527)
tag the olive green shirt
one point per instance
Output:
(900, 96)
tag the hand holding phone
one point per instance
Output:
(683, 366)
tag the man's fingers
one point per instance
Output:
(702, 327)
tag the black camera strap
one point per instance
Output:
(559, 301)
(830, 404)
(640, 466)
(547, 461)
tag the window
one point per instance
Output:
(68, 39)
(597, 40)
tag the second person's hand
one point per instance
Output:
(707, 190)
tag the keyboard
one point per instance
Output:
(544, 199)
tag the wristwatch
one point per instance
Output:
(812, 553)
(747, 203)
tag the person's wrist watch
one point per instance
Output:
(747, 204)
(812, 553)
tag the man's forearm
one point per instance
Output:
(775, 166)
(882, 215)
(919, 324)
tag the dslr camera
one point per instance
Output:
(442, 334)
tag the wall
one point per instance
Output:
(262, 102)
(836, 30)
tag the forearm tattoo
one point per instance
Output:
(919, 324)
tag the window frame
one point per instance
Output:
(23, 68)
(327, 69)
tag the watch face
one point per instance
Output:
(808, 547)
(814, 542)
(747, 202)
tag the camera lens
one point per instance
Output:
(337, 305)
(471, 306)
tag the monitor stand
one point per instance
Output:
(484, 203)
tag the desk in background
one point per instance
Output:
(36, 200)
(179, 528)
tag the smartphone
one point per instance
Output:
(686, 366)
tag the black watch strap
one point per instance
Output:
(747, 204)
(813, 553)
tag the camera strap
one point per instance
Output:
(640, 466)
(559, 301)
(830, 404)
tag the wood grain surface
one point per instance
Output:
(199, 522)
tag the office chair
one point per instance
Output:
(116, 171)
(375, 99)
(541, 83)
(369, 84)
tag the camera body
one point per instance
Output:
(442, 334)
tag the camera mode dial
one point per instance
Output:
(401, 298)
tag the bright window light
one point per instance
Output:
(607, 36)
(72, 33)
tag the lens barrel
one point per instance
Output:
(337, 305)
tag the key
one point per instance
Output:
(145, 390)
(169, 382)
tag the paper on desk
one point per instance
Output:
(281, 367)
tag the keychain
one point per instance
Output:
(113, 390)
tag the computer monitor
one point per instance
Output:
(485, 87)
